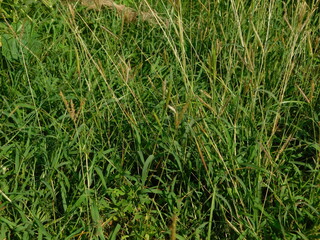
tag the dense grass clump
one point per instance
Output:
(200, 124)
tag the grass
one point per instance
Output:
(206, 128)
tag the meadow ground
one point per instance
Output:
(199, 123)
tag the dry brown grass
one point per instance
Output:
(129, 14)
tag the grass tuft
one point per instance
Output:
(198, 120)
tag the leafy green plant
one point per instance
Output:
(20, 41)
